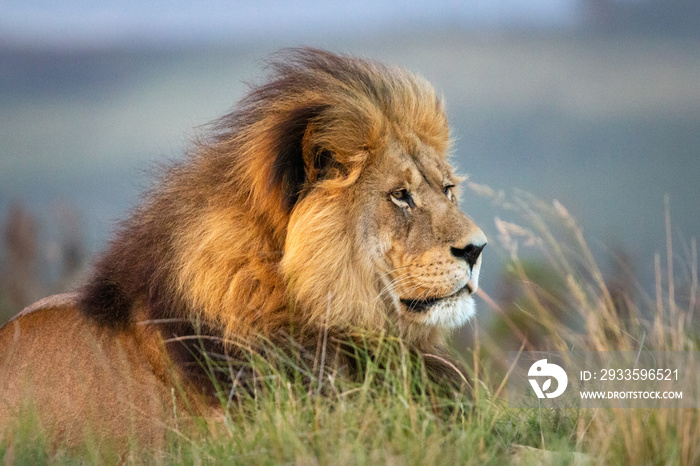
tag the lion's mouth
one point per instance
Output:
(423, 305)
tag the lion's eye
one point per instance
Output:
(402, 198)
(448, 191)
(400, 194)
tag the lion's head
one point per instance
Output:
(376, 235)
(325, 200)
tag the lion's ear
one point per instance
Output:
(298, 159)
(287, 171)
(321, 164)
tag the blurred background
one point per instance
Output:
(594, 103)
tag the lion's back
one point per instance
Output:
(77, 377)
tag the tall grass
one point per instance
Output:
(558, 299)
(573, 307)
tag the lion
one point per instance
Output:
(324, 204)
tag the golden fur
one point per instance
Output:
(80, 381)
(324, 204)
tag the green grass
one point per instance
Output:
(394, 414)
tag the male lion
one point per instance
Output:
(323, 205)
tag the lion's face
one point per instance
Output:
(426, 250)
(392, 246)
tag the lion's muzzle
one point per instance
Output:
(436, 288)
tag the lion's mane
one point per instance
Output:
(209, 241)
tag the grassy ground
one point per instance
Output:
(398, 416)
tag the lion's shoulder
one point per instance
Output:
(49, 320)
(63, 300)
(81, 377)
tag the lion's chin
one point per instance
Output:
(448, 313)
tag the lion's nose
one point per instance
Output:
(469, 253)
(475, 241)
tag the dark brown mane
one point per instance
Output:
(207, 242)
(307, 87)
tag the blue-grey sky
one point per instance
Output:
(70, 23)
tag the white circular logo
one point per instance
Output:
(543, 369)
